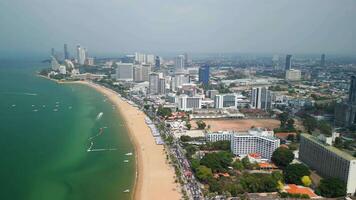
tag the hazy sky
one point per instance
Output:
(117, 26)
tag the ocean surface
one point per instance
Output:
(46, 130)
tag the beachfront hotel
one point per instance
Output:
(253, 141)
(319, 154)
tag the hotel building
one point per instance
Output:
(328, 161)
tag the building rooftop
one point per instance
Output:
(333, 149)
(296, 189)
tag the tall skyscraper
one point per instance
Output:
(352, 91)
(154, 83)
(81, 55)
(66, 54)
(53, 52)
(322, 60)
(179, 63)
(261, 98)
(275, 62)
(157, 63)
(288, 62)
(204, 73)
(186, 61)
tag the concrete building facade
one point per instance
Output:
(328, 161)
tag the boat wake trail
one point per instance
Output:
(19, 93)
(91, 139)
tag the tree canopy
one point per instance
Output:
(331, 188)
(282, 157)
(218, 162)
(294, 173)
(204, 173)
(201, 124)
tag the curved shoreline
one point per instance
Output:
(154, 177)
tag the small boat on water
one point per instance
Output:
(129, 154)
(99, 115)
(13, 105)
(126, 191)
(35, 110)
(126, 161)
(55, 110)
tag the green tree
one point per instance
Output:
(293, 173)
(164, 112)
(189, 126)
(283, 118)
(310, 123)
(290, 124)
(185, 138)
(218, 162)
(259, 183)
(194, 164)
(201, 124)
(204, 173)
(331, 188)
(325, 128)
(282, 157)
(238, 165)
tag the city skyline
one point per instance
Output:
(209, 27)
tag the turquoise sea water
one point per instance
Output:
(43, 152)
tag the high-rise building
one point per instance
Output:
(204, 73)
(81, 55)
(328, 161)
(124, 71)
(178, 81)
(243, 143)
(66, 53)
(154, 83)
(150, 59)
(352, 91)
(180, 63)
(89, 61)
(157, 63)
(162, 86)
(137, 73)
(53, 53)
(288, 62)
(293, 75)
(345, 112)
(186, 61)
(275, 62)
(187, 103)
(225, 101)
(261, 98)
(322, 60)
(54, 63)
(146, 70)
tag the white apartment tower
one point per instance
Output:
(225, 101)
(81, 55)
(187, 103)
(261, 98)
(124, 71)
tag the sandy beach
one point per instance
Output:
(155, 177)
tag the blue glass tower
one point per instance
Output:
(204, 74)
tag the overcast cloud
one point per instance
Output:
(118, 26)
